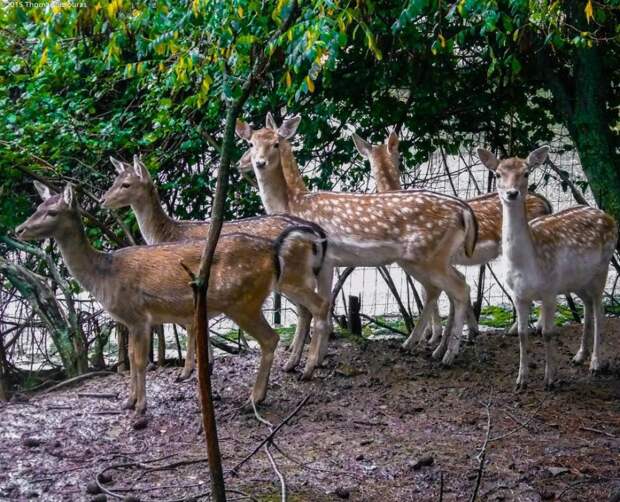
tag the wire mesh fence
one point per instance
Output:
(29, 347)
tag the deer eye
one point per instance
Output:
(252, 144)
(526, 174)
(498, 175)
(52, 212)
(126, 185)
(276, 145)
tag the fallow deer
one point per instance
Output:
(134, 187)
(419, 230)
(145, 285)
(568, 251)
(385, 165)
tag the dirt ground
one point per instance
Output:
(380, 425)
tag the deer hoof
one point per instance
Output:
(141, 408)
(290, 365)
(184, 375)
(438, 353)
(448, 359)
(579, 358)
(128, 404)
(520, 386)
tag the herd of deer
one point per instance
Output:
(295, 248)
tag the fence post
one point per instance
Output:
(277, 309)
(354, 321)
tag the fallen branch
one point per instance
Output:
(77, 379)
(383, 325)
(598, 431)
(271, 435)
(522, 425)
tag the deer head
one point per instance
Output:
(386, 152)
(52, 217)
(132, 184)
(264, 153)
(512, 174)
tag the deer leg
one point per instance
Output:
(324, 289)
(258, 328)
(316, 307)
(523, 313)
(417, 335)
(301, 334)
(436, 327)
(588, 327)
(548, 330)
(453, 283)
(141, 360)
(440, 350)
(599, 319)
(190, 357)
(130, 402)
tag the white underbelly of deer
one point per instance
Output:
(346, 252)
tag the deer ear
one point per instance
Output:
(243, 130)
(139, 168)
(270, 122)
(488, 159)
(245, 162)
(362, 145)
(118, 165)
(68, 195)
(392, 142)
(538, 156)
(43, 190)
(289, 127)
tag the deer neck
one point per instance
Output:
(155, 225)
(84, 262)
(295, 184)
(386, 178)
(517, 242)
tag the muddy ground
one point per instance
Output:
(374, 415)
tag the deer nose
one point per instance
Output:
(512, 194)
(260, 164)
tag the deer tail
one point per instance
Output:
(471, 231)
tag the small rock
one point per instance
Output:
(424, 461)
(342, 493)
(31, 442)
(556, 471)
(140, 423)
(105, 478)
(366, 442)
(92, 488)
(360, 457)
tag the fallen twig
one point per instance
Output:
(79, 378)
(483, 453)
(271, 435)
(98, 395)
(522, 425)
(597, 431)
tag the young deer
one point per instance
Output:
(134, 187)
(141, 286)
(568, 251)
(385, 163)
(419, 230)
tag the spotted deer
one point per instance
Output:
(385, 164)
(419, 230)
(141, 286)
(568, 251)
(133, 186)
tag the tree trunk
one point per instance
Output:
(161, 344)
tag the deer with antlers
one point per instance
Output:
(133, 186)
(420, 230)
(141, 286)
(384, 162)
(568, 251)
